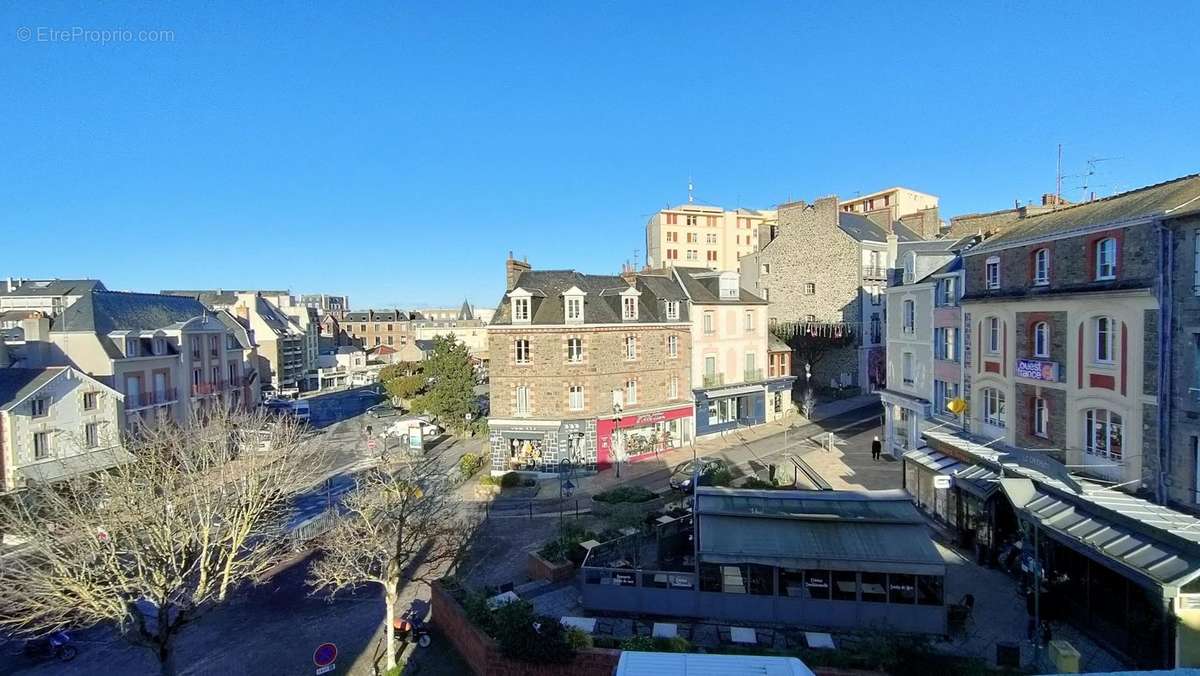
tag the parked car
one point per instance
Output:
(384, 410)
(682, 475)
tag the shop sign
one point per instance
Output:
(521, 430)
(574, 426)
(1034, 369)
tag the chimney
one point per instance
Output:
(9, 284)
(628, 274)
(36, 327)
(512, 271)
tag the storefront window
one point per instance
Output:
(710, 577)
(901, 427)
(816, 584)
(762, 580)
(845, 586)
(733, 579)
(874, 587)
(902, 588)
(929, 590)
(791, 582)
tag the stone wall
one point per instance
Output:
(1057, 323)
(604, 368)
(1185, 369)
(1056, 419)
(1072, 263)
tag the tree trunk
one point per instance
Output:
(166, 660)
(389, 627)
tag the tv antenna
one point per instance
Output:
(1091, 171)
(691, 189)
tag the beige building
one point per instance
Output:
(56, 423)
(699, 236)
(48, 296)
(281, 362)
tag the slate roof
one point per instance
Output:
(53, 287)
(1174, 196)
(16, 384)
(863, 229)
(464, 313)
(703, 286)
(275, 318)
(378, 316)
(210, 298)
(602, 304)
(103, 312)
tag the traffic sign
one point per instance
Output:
(325, 669)
(371, 444)
(324, 655)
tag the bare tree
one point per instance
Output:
(398, 526)
(153, 543)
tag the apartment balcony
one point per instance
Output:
(714, 379)
(206, 389)
(752, 375)
(874, 272)
(140, 400)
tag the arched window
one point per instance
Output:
(993, 328)
(1103, 434)
(1103, 332)
(993, 407)
(1041, 340)
(1041, 267)
(1106, 258)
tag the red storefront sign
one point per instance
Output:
(606, 426)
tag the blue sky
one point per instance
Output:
(396, 151)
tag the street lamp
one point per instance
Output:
(618, 445)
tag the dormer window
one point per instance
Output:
(910, 267)
(521, 306)
(629, 308)
(131, 347)
(1106, 259)
(573, 305)
(672, 309)
(992, 272)
(1041, 267)
(728, 284)
(160, 345)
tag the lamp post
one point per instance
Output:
(616, 437)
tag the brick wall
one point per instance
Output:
(604, 368)
(1056, 419)
(1057, 323)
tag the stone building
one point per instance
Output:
(371, 328)
(588, 368)
(823, 264)
(1179, 347)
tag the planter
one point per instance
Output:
(551, 571)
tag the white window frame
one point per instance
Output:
(631, 392)
(629, 311)
(41, 445)
(1103, 341)
(907, 368)
(810, 288)
(91, 435)
(131, 347)
(910, 316)
(39, 407)
(521, 309)
(1040, 417)
(1098, 427)
(574, 309)
(522, 356)
(673, 387)
(991, 272)
(749, 325)
(521, 404)
(575, 397)
(631, 348)
(708, 324)
(94, 397)
(995, 407)
(994, 337)
(672, 346)
(1041, 340)
(574, 350)
(672, 309)
(1106, 259)
(1041, 267)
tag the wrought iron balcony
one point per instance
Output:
(752, 375)
(713, 379)
(148, 399)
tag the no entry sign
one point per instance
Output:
(325, 654)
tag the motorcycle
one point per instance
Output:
(57, 645)
(413, 630)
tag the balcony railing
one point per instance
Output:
(147, 399)
(874, 272)
(204, 389)
(713, 379)
(752, 375)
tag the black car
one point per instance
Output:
(681, 477)
(384, 410)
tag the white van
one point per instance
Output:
(635, 663)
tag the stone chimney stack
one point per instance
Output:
(512, 271)
(629, 274)
(36, 327)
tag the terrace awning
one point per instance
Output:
(976, 479)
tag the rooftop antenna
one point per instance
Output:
(691, 188)
(1091, 171)
(1058, 179)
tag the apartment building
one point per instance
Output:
(824, 265)
(699, 236)
(283, 346)
(730, 383)
(168, 356)
(325, 304)
(48, 296)
(593, 369)
(308, 319)
(56, 423)
(924, 344)
(918, 211)
(371, 328)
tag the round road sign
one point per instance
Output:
(371, 444)
(325, 654)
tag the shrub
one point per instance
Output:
(720, 477)
(469, 464)
(488, 480)
(675, 644)
(578, 639)
(510, 480)
(523, 635)
(562, 547)
(626, 494)
(476, 609)
(754, 483)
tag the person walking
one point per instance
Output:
(876, 448)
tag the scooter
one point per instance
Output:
(414, 630)
(56, 645)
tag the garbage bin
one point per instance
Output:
(1065, 656)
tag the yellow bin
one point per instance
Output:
(1065, 656)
